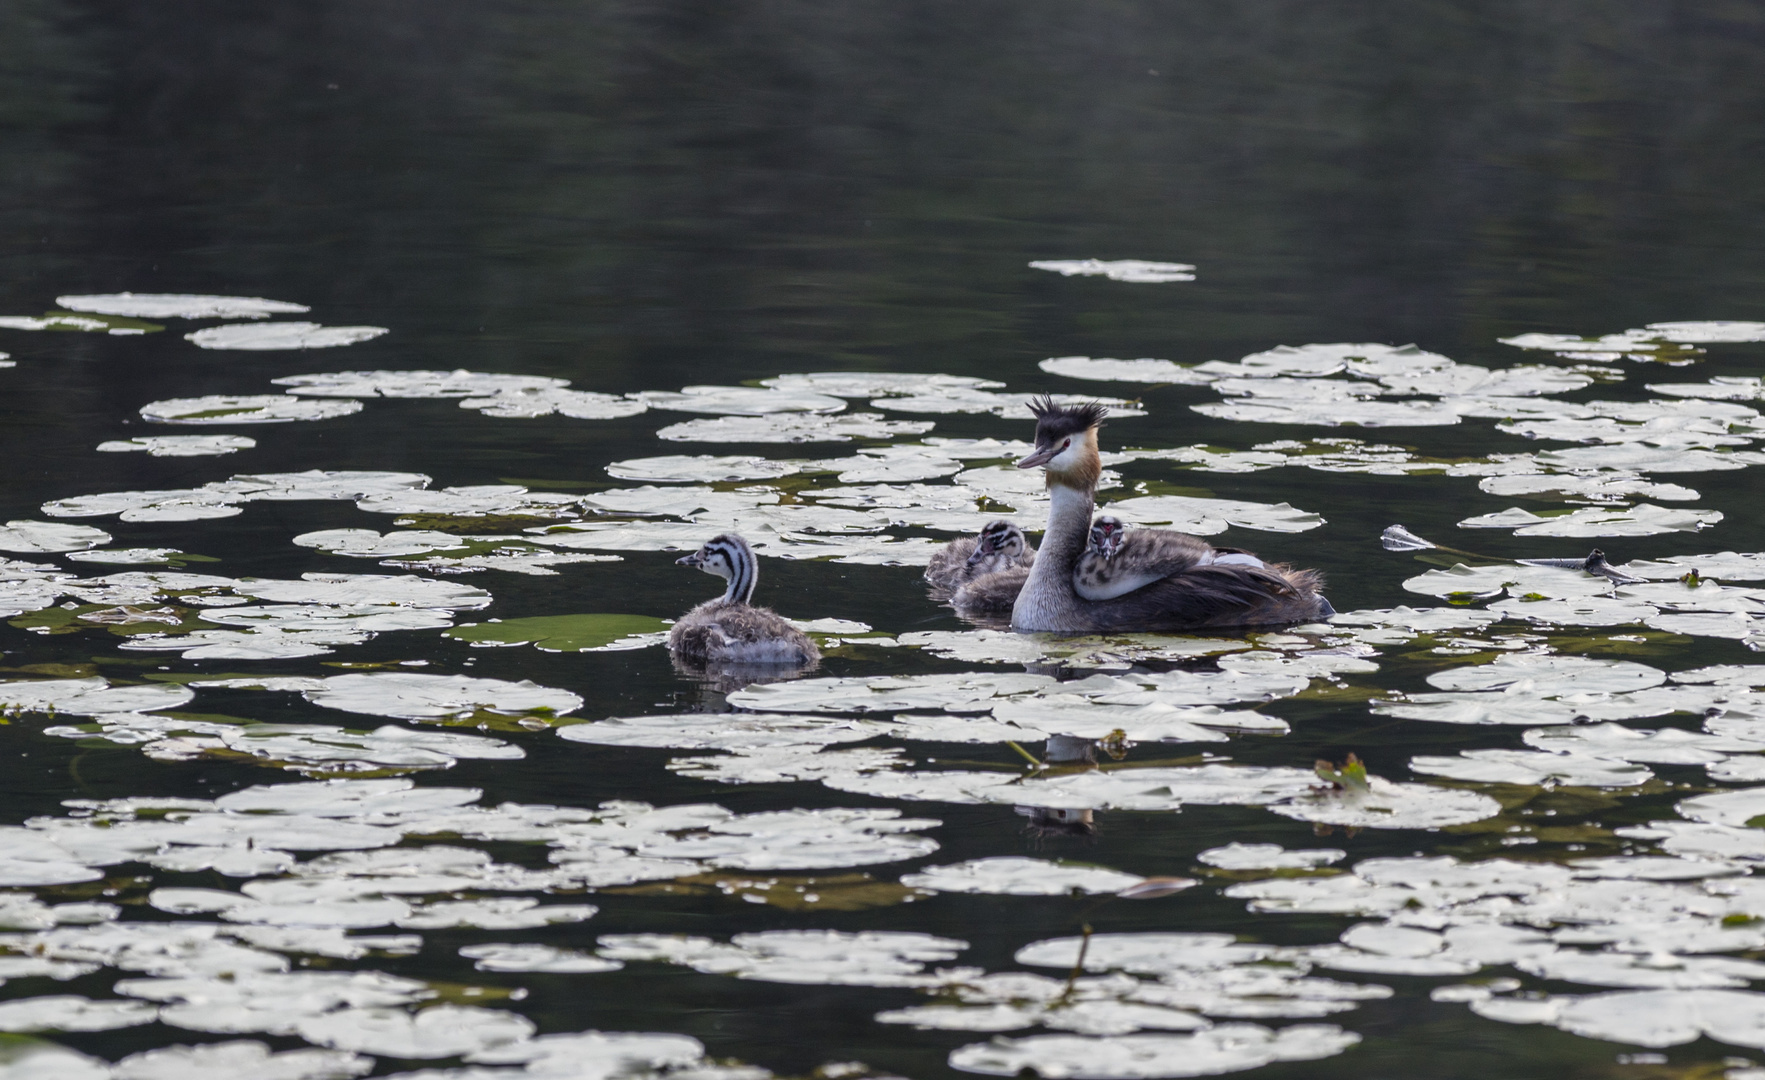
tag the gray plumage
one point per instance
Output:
(991, 594)
(999, 545)
(1230, 592)
(729, 629)
(1118, 560)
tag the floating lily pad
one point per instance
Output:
(792, 428)
(180, 306)
(90, 324)
(566, 633)
(259, 337)
(249, 409)
(1016, 876)
(1222, 1049)
(1103, 369)
(180, 445)
(701, 469)
(1139, 271)
(49, 536)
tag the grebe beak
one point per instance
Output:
(981, 551)
(695, 559)
(1042, 455)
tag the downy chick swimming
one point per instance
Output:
(1215, 594)
(999, 545)
(729, 629)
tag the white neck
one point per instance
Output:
(1048, 597)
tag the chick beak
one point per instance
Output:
(1042, 455)
(981, 551)
(695, 559)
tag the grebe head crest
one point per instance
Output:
(1060, 428)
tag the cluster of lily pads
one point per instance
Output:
(1657, 919)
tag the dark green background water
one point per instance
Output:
(643, 196)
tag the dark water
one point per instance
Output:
(644, 196)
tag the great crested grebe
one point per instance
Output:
(1214, 594)
(729, 629)
(999, 545)
(1116, 562)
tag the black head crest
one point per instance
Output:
(1058, 421)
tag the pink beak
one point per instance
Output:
(1040, 456)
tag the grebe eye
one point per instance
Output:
(1066, 444)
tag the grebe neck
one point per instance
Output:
(1048, 601)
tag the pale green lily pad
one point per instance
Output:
(90, 324)
(565, 633)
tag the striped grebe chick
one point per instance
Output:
(999, 545)
(729, 629)
(1118, 561)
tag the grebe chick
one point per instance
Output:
(1218, 594)
(990, 594)
(729, 629)
(1116, 562)
(998, 546)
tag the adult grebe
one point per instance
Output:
(1214, 594)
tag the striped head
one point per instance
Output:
(729, 557)
(998, 538)
(1106, 536)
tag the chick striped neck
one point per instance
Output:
(744, 574)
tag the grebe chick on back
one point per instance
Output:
(999, 545)
(1117, 561)
(1217, 594)
(729, 629)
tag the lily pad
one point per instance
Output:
(49, 536)
(792, 428)
(1138, 271)
(1223, 1049)
(180, 306)
(1103, 369)
(565, 633)
(261, 337)
(180, 445)
(248, 409)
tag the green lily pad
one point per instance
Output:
(566, 633)
(80, 321)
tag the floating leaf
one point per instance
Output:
(180, 306)
(1103, 369)
(1226, 1048)
(48, 536)
(565, 633)
(180, 445)
(1133, 270)
(259, 337)
(248, 409)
